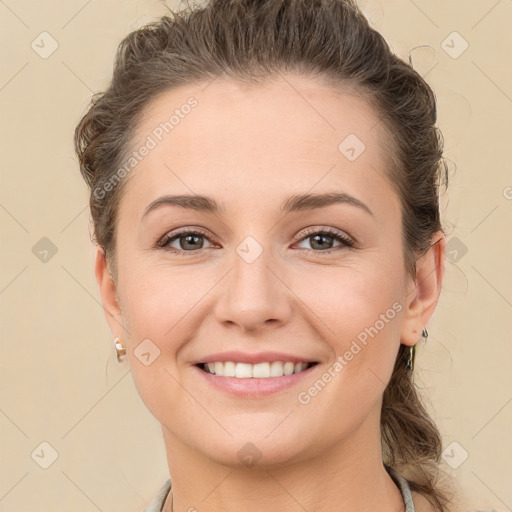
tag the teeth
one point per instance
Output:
(229, 369)
(288, 368)
(259, 371)
(242, 370)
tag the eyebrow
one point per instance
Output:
(310, 201)
(299, 202)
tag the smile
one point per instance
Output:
(262, 370)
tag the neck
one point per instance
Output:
(349, 477)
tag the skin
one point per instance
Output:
(250, 148)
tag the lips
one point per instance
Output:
(252, 388)
(248, 358)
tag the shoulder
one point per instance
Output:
(421, 504)
(158, 501)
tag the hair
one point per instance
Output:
(253, 41)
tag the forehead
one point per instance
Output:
(303, 109)
(290, 132)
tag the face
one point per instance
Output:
(288, 249)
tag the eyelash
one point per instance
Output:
(347, 242)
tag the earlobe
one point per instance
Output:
(423, 291)
(108, 293)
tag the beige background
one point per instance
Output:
(60, 382)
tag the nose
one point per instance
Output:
(253, 295)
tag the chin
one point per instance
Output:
(255, 452)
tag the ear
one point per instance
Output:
(423, 291)
(108, 293)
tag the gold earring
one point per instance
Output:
(120, 350)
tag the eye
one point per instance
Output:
(187, 241)
(322, 241)
(193, 240)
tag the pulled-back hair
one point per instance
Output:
(255, 40)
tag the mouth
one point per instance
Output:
(262, 370)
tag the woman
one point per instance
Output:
(264, 189)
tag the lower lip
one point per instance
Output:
(254, 387)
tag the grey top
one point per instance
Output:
(158, 501)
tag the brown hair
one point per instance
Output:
(254, 40)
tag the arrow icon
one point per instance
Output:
(40, 456)
(249, 455)
(44, 44)
(454, 45)
(453, 253)
(44, 250)
(44, 455)
(351, 147)
(455, 455)
(249, 249)
(146, 352)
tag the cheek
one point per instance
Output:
(153, 303)
(162, 308)
(358, 311)
(350, 298)
(359, 315)
(155, 298)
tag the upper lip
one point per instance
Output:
(260, 357)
